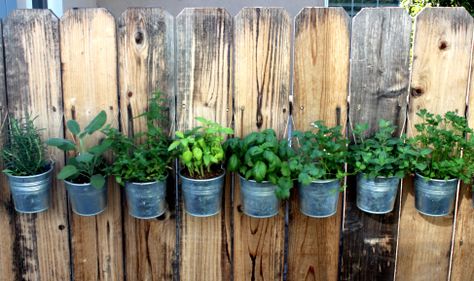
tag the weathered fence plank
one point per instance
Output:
(464, 232)
(89, 63)
(8, 262)
(441, 60)
(33, 77)
(321, 80)
(204, 67)
(146, 65)
(261, 91)
(380, 49)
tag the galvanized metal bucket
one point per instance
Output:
(435, 197)
(258, 199)
(85, 199)
(146, 200)
(376, 196)
(319, 199)
(31, 194)
(202, 198)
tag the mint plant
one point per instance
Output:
(86, 165)
(143, 157)
(260, 156)
(24, 153)
(438, 146)
(380, 155)
(321, 153)
(200, 149)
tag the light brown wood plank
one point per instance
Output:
(261, 90)
(321, 80)
(464, 234)
(31, 37)
(146, 65)
(440, 73)
(204, 67)
(379, 89)
(89, 61)
(7, 212)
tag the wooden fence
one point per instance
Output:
(240, 71)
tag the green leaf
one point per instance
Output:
(174, 145)
(197, 153)
(259, 171)
(179, 134)
(96, 123)
(101, 148)
(73, 126)
(67, 172)
(62, 144)
(233, 163)
(97, 181)
(85, 157)
(187, 156)
(8, 172)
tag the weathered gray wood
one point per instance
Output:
(33, 77)
(262, 86)
(146, 65)
(321, 84)
(379, 87)
(204, 62)
(89, 75)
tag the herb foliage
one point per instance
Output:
(24, 153)
(260, 156)
(201, 148)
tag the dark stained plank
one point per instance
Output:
(89, 63)
(33, 77)
(321, 84)
(439, 83)
(204, 67)
(379, 88)
(261, 93)
(146, 65)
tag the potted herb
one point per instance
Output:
(380, 160)
(265, 175)
(26, 165)
(321, 155)
(85, 169)
(202, 176)
(141, 163)
(438, 163)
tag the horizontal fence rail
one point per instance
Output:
(242, 72)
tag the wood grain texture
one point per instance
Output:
(442, 55)
(261, 91)
(204, 67)
(40, 246)
(380, 49)
(321, 82)
(146, 65)
(464, 231)
(7, 212)
(89, 61)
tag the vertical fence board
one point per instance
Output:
(7, 212)
(379, 87)
(204, 64)
(89, 61)
(146, 65)
(442, 50)
(321, 79)
(33, 77)
(464, 236)
(261, 92)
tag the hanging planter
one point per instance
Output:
(435, 197)
(202, 178)
(377, 195)
(86, 199)
(319, 199)
(202, 197)
(258, 200)
(146, 200)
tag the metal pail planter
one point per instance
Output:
(378, 195)
(31, 194)
(202, 198)
(85, 199)
(258, 199)
(146, 200)
(319, 199)
(435, 197)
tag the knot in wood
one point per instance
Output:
(139, 37)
